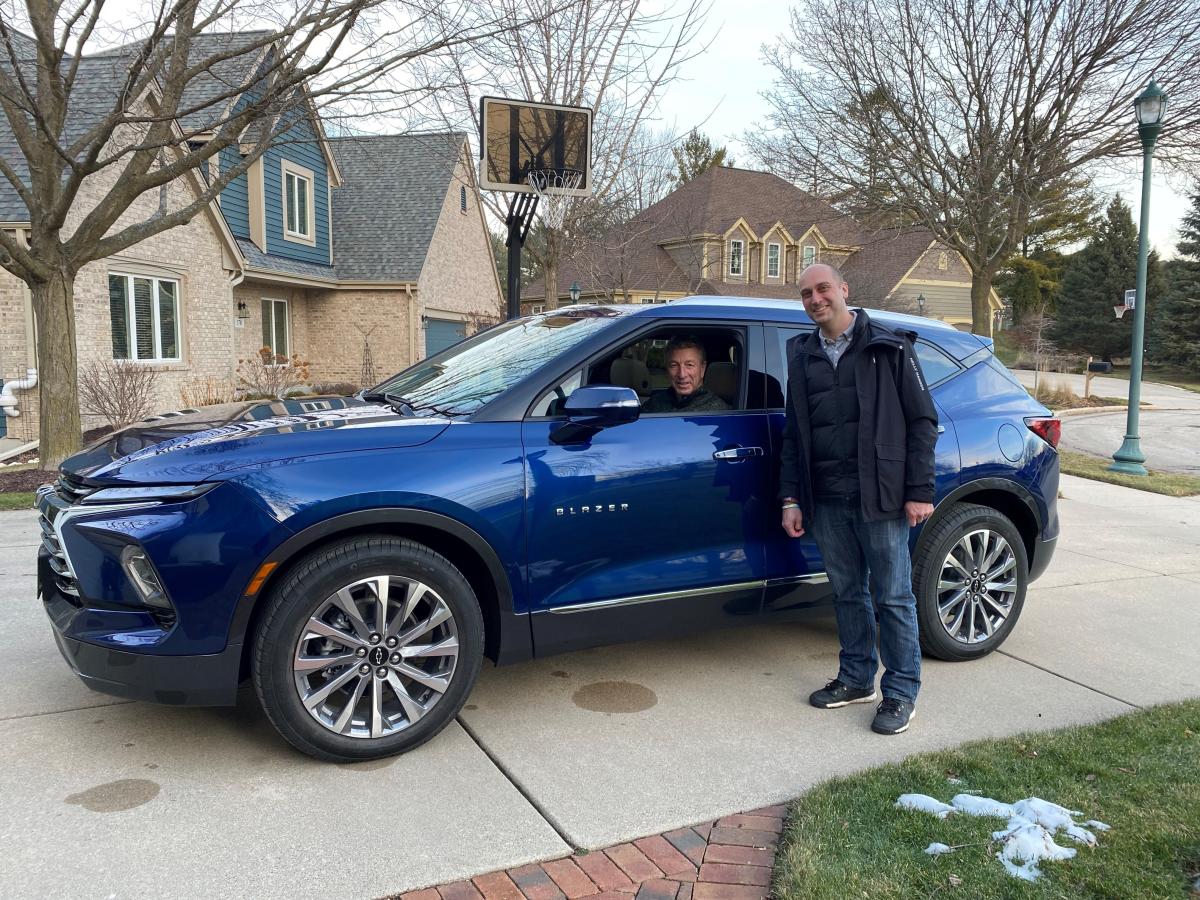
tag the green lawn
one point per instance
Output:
(1139, 773)
(1188, 380)
(18, 500)
(1087, 466)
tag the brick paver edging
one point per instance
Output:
(729, 859)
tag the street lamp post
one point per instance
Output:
(574, 292)
(921, 304)
(1151, 108)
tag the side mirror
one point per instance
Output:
(591, 409)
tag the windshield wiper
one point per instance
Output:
(395, 401)
(403, 405)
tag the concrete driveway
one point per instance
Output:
(106, 798)
(1164, 396)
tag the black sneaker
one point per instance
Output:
(893, 716)
(836, 694)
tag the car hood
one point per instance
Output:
(198, 445)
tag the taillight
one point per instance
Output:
(1049, 430)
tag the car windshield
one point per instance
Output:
(468, 375)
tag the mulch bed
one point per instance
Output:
(31, 479)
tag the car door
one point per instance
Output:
(652, 526)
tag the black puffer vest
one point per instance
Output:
(833, 414)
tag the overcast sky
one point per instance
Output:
(725, 85)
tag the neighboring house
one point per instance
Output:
(324, 246)
(742, 233)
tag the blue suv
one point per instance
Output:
(357, 558)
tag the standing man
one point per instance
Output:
(857, 469)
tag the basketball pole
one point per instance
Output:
(520, 216)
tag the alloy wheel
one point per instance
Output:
(376, 656)
(977, 586)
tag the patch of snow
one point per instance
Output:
(924, 803)
(981, 806)
(953, 780)
(1028, 837)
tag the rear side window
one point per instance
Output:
(936, 366)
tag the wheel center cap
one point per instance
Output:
(378, 656)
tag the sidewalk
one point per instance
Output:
(591, 750)
(1162, 396)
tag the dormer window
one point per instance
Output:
(772, 260)
(298, 222)
(735, 257)
(810, 255)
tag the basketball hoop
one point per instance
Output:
(1119, 310)
(551, 187)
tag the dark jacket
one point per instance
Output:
(833, 417)
(699, 400)
(897, 424)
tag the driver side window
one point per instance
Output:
(679, 370)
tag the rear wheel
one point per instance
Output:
(970, 576)
(367, 648)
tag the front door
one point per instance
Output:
(651, 526)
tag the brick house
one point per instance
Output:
(323, 245)
(743, 233)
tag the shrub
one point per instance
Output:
(118, 390)
(340, 388)
(268, 375)
(208, 392)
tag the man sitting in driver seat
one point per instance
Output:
(686, 362)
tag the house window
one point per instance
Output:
(772, 260)
(735, 257)
(275, 327)
(145, 317)
(537, 308)
(297, 203)
(810, 254)
(943, 261)
(462, 199)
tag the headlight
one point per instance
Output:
(163, 493)
(144, 577)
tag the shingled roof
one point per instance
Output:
(99, 81)
(389, 203)
(632, 259)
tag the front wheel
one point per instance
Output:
(969, 576)
(367, 648)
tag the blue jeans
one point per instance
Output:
(861, 557)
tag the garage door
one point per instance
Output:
(441, 333)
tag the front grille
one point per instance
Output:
(50, 501)
(71, 489)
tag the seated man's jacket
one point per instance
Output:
(700, 400)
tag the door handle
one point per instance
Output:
(738, 453)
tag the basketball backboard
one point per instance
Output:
(519, 139)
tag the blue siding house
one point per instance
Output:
(358, 255)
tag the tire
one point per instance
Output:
(963, 614)
(417, 675)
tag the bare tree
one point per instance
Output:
(955, 115)
(96, 131)
(615, 56)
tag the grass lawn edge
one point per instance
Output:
(1138, 773)
(16, 500)
(1084, 465)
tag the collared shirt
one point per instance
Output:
(838, 346)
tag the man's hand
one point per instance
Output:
(917, 512)
(793, 521)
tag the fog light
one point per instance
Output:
(145, 579)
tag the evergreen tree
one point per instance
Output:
(697, 155)
(1031, 285)
(1096, 280)
(1175, 331)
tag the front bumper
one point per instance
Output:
(194, 680)
(175, 680)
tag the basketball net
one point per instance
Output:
(548, 184)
